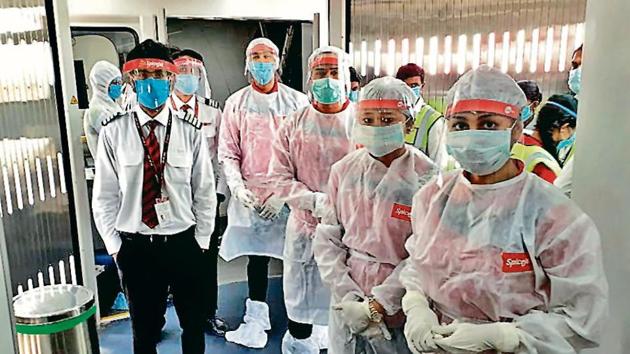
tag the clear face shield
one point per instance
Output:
(152, 80)
(261, 61)
(384, 112)
(382, 125)
(191, 78)
(481, 133)
(114, 89)
(329, 76)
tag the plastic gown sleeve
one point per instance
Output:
(408, 274)
(106, 194)
(569, 251)
(437, 139)
(229, 147)
(282, 171)
(390, 291)
(331, 253)
(204, 205)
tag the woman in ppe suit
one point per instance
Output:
(359, 245)
(106, 83)
(308, 143)
(256, 217)
(499, 257)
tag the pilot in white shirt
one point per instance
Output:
(191, 96)
(207, 111)
(154, 203)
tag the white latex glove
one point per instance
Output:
(321, 201)
(468, 337)
(356, 315)
(420, 321)
(271, 208)
(246, 197)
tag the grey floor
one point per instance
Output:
(115, 338)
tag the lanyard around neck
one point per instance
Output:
(159, 173)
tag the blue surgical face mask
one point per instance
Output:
(153, 93)
(379, 141)
(417, 91)
(114, 91)
(327, 91)
(526, 113)
(575, 80)
(262, 73)
(187, 83)
(354, 96)
(480, 152)
(565, 145)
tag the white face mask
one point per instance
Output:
(480, 152)
(380, 141)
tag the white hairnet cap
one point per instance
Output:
(324, 55)
(259, 44)
(388, 92)
(486, 89)
(102, 74)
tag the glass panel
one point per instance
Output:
(527, 39)
(34, 205)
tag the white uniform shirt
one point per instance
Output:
(210, 118)
(189, 180)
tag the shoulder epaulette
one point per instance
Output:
(190, 119)
(210, 102)
(112, 118)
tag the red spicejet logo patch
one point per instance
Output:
(402, 212)
(516, 262)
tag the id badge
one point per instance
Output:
(163, 211)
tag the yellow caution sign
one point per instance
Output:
(74, 100)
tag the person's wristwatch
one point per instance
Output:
(375, 315)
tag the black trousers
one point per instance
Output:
(258, 277)
(300, 330)
(147, 268)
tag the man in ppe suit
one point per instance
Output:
(308, 143)
(106, 83)
(256, 216)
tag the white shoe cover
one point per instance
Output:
(320, 336)
(290, 345)
(252, 333)
(256, 311)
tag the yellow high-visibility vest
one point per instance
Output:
(532, 155)
(422, 124)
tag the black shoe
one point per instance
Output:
(216, 326)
